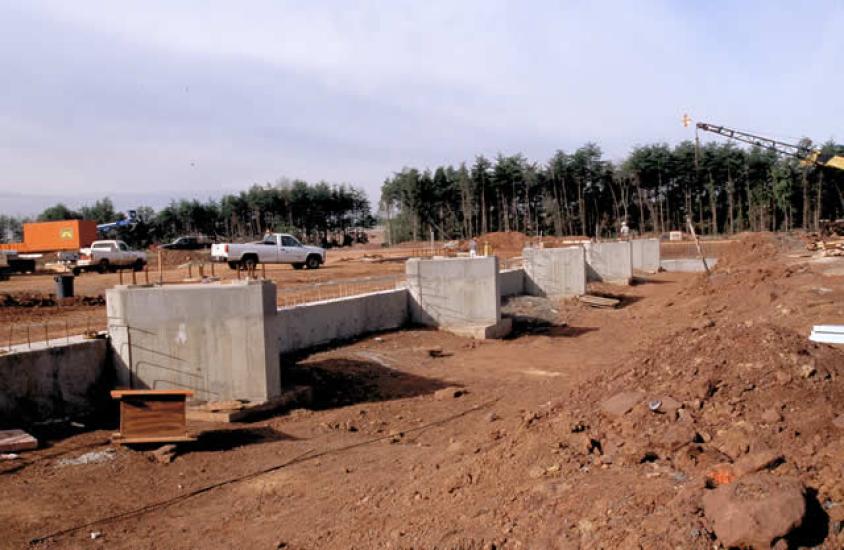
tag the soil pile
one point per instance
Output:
(734, 390)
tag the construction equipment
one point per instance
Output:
(130, 220)
(806, 154)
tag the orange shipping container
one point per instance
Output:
(54, 236)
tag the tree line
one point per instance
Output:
(319, 213)
(722, 187)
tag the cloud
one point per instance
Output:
(177, 97)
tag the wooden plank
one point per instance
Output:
(118, 439)
(16, 440)
(118, 394)
(296, 396)
(599, 301)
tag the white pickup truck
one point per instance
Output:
(274, 248)
(105, 256)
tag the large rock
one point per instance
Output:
(621, 403)
(756, 510)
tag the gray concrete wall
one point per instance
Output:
(609, 262)
(218, 340)
(511, 282)
(645, 255)
(458, 294)
(309, 325)
(687, 265)
(55, 381)
(555, 272)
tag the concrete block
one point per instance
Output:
(55, 381)
(484, 332)
(218, 340)
(511, 282)
(610, 262)
(555, 272)
(309, 325)
(645, 255)
(455, 293)
(687, 265)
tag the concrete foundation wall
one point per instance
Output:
(555, 272)
(511, 282)
(645, 255)
(309, 325)
(57, 381)
(454, 291)
(609, 262)
(218, 340)
(461, 295)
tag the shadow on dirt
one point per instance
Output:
(224, 439)
(815, 527)
(339, 382)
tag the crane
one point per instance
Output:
(808, 155)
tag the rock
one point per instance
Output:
(492, 417)
(783, 378)
(755, 511)
(164, 454)
(733, 442)
(771, 416)
(668, 404)
(621, 403)
(450, 392)
(807, 371)
(703, 323)
(16, 440)
(757, 460)
(676, 436)
(838, 422)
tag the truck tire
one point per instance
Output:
(76, 271)
(249, 262)
(138, 265)
(298, 266)
(313, 261)
(103, 266)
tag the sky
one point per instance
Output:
(149, 101)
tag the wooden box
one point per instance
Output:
(152, 416)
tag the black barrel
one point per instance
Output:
(64, 286)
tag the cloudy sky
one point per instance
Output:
(149, 100)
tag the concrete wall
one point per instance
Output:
(309, 325)
(56, 381)
(511, 282)
(645, 255)
(218, 340)
(458, 294)
(609, 262)
(555, 272)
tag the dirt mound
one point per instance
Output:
(715, 395)
(735, 388)
(35, 300)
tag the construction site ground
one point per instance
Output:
(421, 439)
(29, 309)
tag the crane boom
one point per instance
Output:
(808, 155)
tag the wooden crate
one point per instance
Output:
(152, 416)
